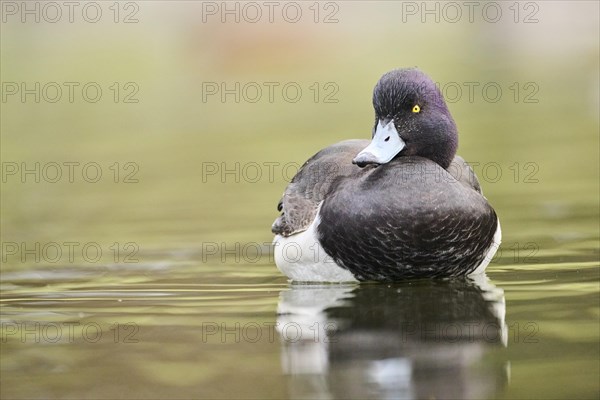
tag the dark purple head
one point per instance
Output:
(411, 119)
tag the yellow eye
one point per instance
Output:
(416, 109)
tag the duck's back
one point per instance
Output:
(407, 218)
(312, 184)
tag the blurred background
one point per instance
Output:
(197, 114)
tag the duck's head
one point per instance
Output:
(411, 119)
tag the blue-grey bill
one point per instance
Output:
(386, 144)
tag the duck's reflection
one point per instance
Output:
(424, 339)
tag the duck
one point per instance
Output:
(400, 206)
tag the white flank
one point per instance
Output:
(301, 257)
(491, 251)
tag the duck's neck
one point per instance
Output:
(443, 152)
